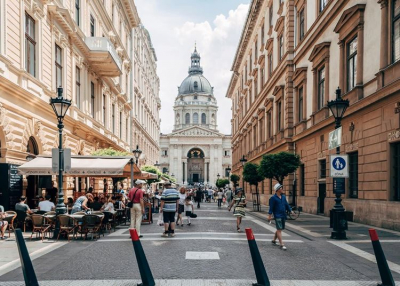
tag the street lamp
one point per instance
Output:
(60, 106)
(338, 218)
(243, 161)
(136, 154)
(157, 164)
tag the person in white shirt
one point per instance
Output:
(108, 206)
(46, 205)
(220, 197)
(189, 209)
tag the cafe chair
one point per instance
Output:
(20, 219)
(90, 224)
(39, 226)
(10, 219)
(67, 226)
(108, 221)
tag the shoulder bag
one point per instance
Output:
(130, 204)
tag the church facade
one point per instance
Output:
(195, 152)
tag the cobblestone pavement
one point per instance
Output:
(210, 251)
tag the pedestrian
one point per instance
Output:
(81, 203)
(209, 194)
(239, 200)
(135, 196)
(220, 196)
(3, 223)
(198, 197)
(22, 206)
(189, 209)
(169, 206)
(278, 206)
(109, 206)
(181, 207)
(228, 196)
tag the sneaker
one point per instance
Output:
(140, 236)
(274, 242)
(164, 234)
(172, 234)
(283, 247)
(189, 224)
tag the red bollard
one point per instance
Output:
(144, 268)
(259, 268)
(384, 270)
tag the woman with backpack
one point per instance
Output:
(239, 201)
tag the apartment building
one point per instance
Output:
(291, 58)
(147, 103)
(83, 47)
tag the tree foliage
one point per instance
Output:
(221, 183)
(110, 152)
(278, 166)
(153, 170)
(170, 178)
(235, 179)
(251, 174)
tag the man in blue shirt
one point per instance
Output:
(278, 206)
(169, 206)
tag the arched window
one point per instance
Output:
(32, 146)
(195, 118)
(187, 118)
(203, 118)
(164, 170)
(195, 84)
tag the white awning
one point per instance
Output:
(81, 166)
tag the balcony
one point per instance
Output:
(103, 57)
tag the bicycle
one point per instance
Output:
(295, 212)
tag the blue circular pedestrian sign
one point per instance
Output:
(339, 163)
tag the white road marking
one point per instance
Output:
(193, 255)
(268, 227)
(119, 232)
(304, 230)
(369, 241)
(393, 266)
(194, 238)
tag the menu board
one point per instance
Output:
(10, 185)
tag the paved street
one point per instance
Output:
(210, 251)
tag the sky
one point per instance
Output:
(174, 27)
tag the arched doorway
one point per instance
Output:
(195, 166)
(33, 188)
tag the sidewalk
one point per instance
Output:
(9, 258)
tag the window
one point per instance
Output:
(269, 119)
(279, 115)
(126, 129)
(203, 118)
(301, 24)
(270, 68)
(104, 109)
(195, 85)
(396, 31)
(302, 183)
(396, 171)
(30, 45)
(120, 125)
(187, 118)
(351, 64)
(262, 34)
(322, 169)
(165, 153)
(77, 11)
(271, 11)
(92, 24)
(195, 118)
(78, 86)
(280, 47)
(112, 11)
(262, 75)
(353, 174)
(92, 98)
(300, 104)
(255, 87)
(226, 153)
(59, 67)
(164, 170)
(322, 5)
(195, 97)
(113, 118)
(256, 50)
(321, 88)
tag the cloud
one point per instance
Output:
(174, 40)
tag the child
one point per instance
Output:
(188, 208)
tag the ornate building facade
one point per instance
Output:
(195, 152)
(147, 103)
(82, 46)
(291, 58)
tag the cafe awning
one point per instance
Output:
(87, 166)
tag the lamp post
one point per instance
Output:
(216, 183)
(136, 154)
(243, 161)
(338, 219)
(229, 174)
(60, 106)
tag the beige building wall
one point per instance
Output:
(284, 108)
(88, 46)
(147, 103)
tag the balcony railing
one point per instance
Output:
(103, 56)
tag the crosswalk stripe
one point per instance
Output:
(194, 238)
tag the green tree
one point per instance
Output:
(278, 166)
(251, 175)
(110, 152)
(153, 170)
(235, 180)
(221, 183)
(170, 178)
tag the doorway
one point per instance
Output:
(195, 166)
(321, 198)
(195, 178)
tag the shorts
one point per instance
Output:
(169, 217)
(3, 223)
(280, 223)
(181, 209)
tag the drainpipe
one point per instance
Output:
(294, 181)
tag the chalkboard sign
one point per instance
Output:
(10, 185)
(147, 217)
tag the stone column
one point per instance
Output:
(384, 56)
